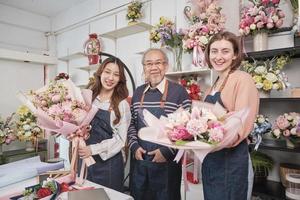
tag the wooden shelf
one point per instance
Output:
(269, 190)
(89, 68)
(128, 30)
(186, 73)
(72, 56)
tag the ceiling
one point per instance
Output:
(48, 8)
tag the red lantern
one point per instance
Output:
(92, 49)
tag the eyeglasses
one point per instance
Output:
(156, 63)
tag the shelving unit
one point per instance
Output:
(294, 52)
(203, 71)
(72, 56)
(128, 30)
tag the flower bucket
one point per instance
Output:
(260, 41)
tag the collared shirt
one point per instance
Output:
(160, 86)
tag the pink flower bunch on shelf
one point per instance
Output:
(287, 125)
(261, 15)
(199, 124)
(204, 25)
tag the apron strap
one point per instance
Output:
(163, 98)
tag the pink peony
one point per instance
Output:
(282, 123)
(216, 134)
(179, 133)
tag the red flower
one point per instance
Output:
(183, 82)
(194, 88)
(43, 192)
(64, 187)
(194, 96)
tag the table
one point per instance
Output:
(17, 188)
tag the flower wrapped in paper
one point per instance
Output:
(63, 108)
(205, 129)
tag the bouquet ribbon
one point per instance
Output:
(198, 56)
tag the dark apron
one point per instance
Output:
(225, 172)
(109, 173)
(151, 180)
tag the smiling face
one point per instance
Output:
(110, 76)
(155, 67)
(221, 55)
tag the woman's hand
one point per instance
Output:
(84, 152)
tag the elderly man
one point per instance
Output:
(154, 174)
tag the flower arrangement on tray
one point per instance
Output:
(134, 11)
(48, 190)
(261, 16)
(262, 125)
(63, 108)
(166, 33)
(7, 129)
(27, 128)
(267, 74)
(191, 85)
(288, 126)
(203, 26)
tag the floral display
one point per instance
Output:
(134, 11)
(7, 130)
(200, 125)
(166, 33)
(261, 15)
(63, 108)
(294, 4)
(208, 22)
(192, 86)
(49, 188)
(27, 128)
(287, 125)
(267, 74)
(262, 125)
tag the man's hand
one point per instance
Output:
(139, 153)
(158, 157)
(85, 152)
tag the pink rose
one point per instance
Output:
(282, 123)
(279, 23)
(55, 98)
(179, 133)
(270, 25)
(275, 1)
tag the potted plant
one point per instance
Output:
(262, 164)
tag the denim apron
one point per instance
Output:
(152, 180)
(225, 172)
(109, 173)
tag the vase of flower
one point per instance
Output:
(29, 146)
(177, 55)
(92, 49)
(264, 94)
(260, 41)
(134, 12)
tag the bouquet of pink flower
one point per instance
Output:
(206, 128)
(7, 129)
(287, 125)
(63, 108)
(261, 15)
(209, 22)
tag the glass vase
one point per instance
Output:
(177, 54)
(29, 146)
(260, 41)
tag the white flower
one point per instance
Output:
(276, 133)
(294, 131)
(261, 120)
(276, 86)
(271, 77)
(26, 127)
(1, 133)
(259, 85)
(260, 69)
(203, 39)
(252, 26)
(27, 134)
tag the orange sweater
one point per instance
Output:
(240, 92)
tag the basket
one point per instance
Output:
(286, 168)
(293, 189)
